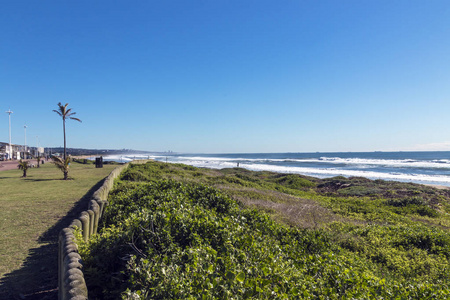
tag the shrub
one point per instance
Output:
(246, 178)
(359, 191)
(425, 210)
(357, 179)
(295, 182)
(134, 175)
(406, 201)
(170, 240)
(167, 240)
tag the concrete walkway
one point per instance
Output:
(8, 165)
(12, 164)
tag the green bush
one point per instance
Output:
(295, 182)
(406, 201)
(247, 178)
(408, 251)
(424, 210)
(359, 191)
(167, 239)
(134, 175)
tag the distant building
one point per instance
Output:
(5, 151)
(39, 151)
(17, 151)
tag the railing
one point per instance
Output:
(71, 282)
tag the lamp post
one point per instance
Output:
(25, 128)
(10, 150)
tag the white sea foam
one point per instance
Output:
(400, 163)
(127, 158)
(234, 159)
(317, 172)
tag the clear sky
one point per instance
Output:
(228, 76)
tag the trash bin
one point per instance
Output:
(99, 162)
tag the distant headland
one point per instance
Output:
(83, 151)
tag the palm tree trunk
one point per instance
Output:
(66, 173)
(64, 129)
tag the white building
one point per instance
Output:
(17, 151)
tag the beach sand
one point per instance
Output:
(440, 187)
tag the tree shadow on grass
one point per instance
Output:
(40, 179)
(48, 179)
(38, 277)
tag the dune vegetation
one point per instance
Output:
(177, 232)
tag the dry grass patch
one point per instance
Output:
(289, 209)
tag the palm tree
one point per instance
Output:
(38, 159)
(65, 113)
(24, 165)
(62, 164)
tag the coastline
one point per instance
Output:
(437, 186)
(429, 168)
(11, 165)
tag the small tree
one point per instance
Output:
(23, 165)
(62, 164)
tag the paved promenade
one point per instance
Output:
(8, 165)
(12, 164)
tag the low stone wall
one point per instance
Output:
(71, 283)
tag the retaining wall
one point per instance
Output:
(71, 283)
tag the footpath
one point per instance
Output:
(8, 165)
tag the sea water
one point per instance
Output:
(417, 167)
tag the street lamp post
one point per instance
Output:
(10, 150)
(25, 128)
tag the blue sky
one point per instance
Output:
(228, 76)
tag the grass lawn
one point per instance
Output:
(32, 212)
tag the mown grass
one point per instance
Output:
(31, 207)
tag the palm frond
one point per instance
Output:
(58, 112)
(65, 113)
(23, 165)
(60, 163)
(76, 119)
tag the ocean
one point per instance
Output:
(417, 167)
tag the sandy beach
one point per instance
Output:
(441, 187)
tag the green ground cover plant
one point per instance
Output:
(178, 232)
